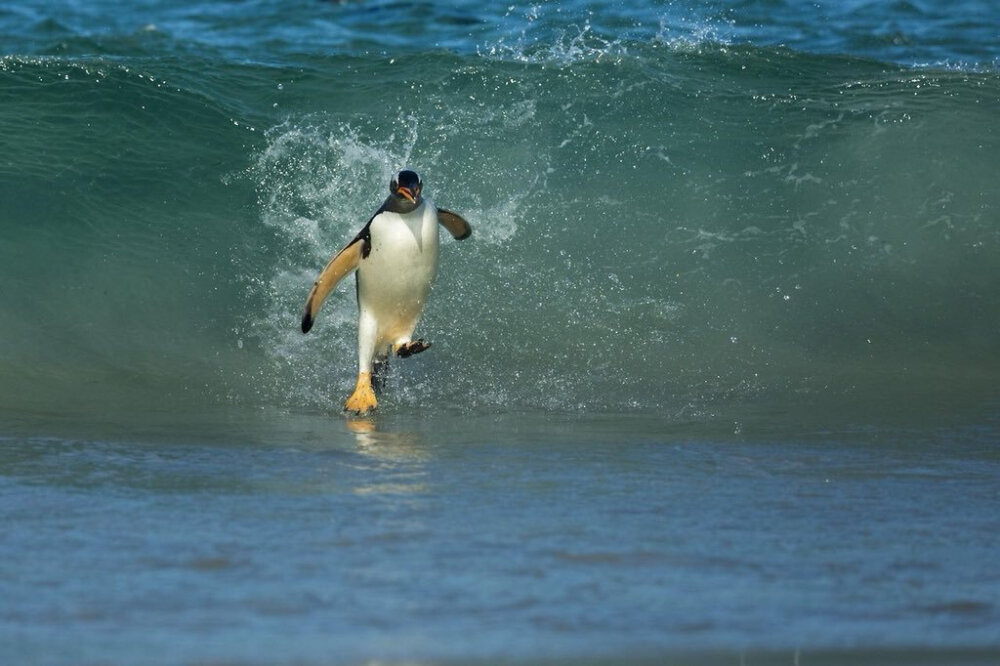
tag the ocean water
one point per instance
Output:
(714, 380)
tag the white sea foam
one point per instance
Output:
(318, 181)
(577, 42)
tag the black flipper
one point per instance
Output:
(455, 224)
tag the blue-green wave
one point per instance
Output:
(661, 225)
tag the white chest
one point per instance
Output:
(403, 258)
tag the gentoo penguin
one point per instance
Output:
(395, 256)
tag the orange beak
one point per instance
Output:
(407, 193)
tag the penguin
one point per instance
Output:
(394, 258)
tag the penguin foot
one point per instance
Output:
(405, 349)
(363, 400)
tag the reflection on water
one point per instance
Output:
(361, 425)
(402, 455)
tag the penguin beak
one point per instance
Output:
(406, 193)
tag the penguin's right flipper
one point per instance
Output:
(455, 224)
(339, 267)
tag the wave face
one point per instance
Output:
(672, 210)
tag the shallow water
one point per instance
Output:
(714, 380)
(523, 536)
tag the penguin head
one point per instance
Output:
(405, 189)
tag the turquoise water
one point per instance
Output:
(715, 377)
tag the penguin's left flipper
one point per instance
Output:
(455, 224)
(342, 264)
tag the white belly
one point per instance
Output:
(395, 278)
